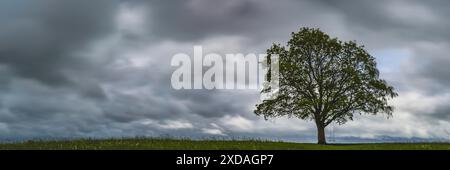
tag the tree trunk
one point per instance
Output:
(321, 134)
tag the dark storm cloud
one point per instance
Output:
(38, 38)
(434, 68)
(408, 20)
(196, 19)
(41, 70)
(442, 113)
(67, 68)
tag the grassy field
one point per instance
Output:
(136, 144)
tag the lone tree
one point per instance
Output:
(325, 80)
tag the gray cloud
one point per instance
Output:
(38, 39)
(191, 20)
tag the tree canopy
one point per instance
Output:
(325, 80)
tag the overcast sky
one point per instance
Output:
(102, 68)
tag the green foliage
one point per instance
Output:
(325, 80)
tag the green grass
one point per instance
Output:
(185, 144)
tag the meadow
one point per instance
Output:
(187, 144)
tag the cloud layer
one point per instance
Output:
(102, 68)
